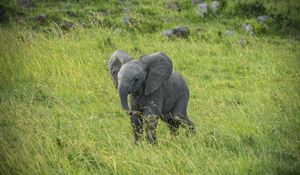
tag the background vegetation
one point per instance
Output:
(60, 113)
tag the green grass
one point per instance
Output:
(60, 113)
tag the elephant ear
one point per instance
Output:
(159, 68)
(115, 62)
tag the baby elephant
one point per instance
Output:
(155, 90)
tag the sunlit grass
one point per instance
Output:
(60, 113)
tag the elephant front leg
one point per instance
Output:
(151, 114)
(171, 123)
(137, 127)
(150, 127)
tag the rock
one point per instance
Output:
(229, 32)
(181, 31)
(178, 31)
(71, 14)
(103, 12)
(125, 20)
(173, 6)
(24, 3)
(167, 33)
(263, 18)
(126, 10)
(195, 2)
(117, 30)
(99, 13)
(201, 9)
(83, 25)
(67, 25)
(248, 28)
(40, 18)
(214, 6)
(243, 42)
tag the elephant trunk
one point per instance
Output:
(123, 93)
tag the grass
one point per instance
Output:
(60, 113)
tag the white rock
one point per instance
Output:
(214, 6)
(248, 28)
(263, 18)
(229, 32)
(201, 9)
(125, 20)
(167, 33)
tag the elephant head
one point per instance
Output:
(146, 74)
(116, 60)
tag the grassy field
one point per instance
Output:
(60, 113)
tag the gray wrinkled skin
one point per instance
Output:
(156, 92)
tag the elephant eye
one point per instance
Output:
(136, 79)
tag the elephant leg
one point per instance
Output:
(180, 115)
(187, 124)
(150, 127)
(152, 112)
(172, 124)
(137, 127)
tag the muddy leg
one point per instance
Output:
(150, 127)
(137, 127)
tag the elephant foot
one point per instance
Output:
(191, 131)
(173, 130)
(173, 127)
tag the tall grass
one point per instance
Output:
(60, 112)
